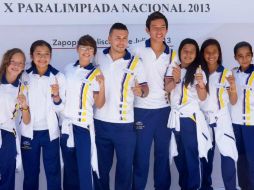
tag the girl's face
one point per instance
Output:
(41, 57)
(211, 55)
(244, 57)
(187, 55)
(86, 53)
(16, 65)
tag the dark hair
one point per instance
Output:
(242, 44)
(204, 65)
(87, 40)
(118, 26)
(207, 43)
(155, 16)
(39, 43)
(191, 69)
(7, 58)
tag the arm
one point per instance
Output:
(169, 84)
(171, 81)
(232, 93)
(202, 93)
(140, 88)
(200, 86)
(24, 108)
(99, 97)
(58, 92)
(26, 115)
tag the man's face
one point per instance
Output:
(118, 40)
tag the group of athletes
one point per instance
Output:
(121, 101)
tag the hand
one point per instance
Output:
(100, 80)
(55, 88)
(231, 81)
(199, 77)
(137, 90)
(169, 84)
(176, 73)
(22, 101)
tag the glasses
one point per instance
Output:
(86, 48)
(17, 64)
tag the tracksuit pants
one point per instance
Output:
(70, 169)
(7, 160)
(187, 162)
(245, 164)
(228, 169)
(77, 160)
(121, 138)
(83, 153)
(31, 153)
(151, 126)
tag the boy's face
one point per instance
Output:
(244, 57)
(158, 30)
(118, 40)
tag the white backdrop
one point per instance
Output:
(62, 23)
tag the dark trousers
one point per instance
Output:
(70, 170)
(187, 161)
(245, 164)
(31, 152)
(151, 126)
(7, 161)
(121, 138)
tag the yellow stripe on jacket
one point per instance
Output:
(222, 89)
(85, 91)
(126, 87)
(248, 100)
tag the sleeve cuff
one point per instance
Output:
(58, 103)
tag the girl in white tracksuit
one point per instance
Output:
(190, 132)
(243, 114)
(13, 101)
(84, 89)
(46, 97)
(222, 91)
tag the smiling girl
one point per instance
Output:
(222, 92)
(243, 114)
(84, 89)
(186, 119)
(11, 99)
(46, 98)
